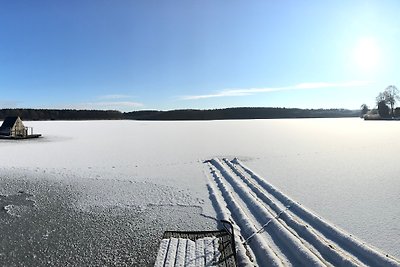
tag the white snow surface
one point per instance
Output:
(345, 170)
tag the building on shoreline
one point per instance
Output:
(14, 128)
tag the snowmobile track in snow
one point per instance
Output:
(273, 230)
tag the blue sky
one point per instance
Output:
(134, 55)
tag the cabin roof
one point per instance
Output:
(9, 122)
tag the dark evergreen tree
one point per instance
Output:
(383, 109)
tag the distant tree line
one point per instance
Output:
(61, 114)
(385, 105)
(240, 113)
(185, 114)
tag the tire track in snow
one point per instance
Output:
(239, 217)
(320, 244)
(283, 239)
(289, 234)
(224, 214)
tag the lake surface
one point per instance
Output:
(104, 191)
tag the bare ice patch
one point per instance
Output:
(14, 205)
(78, 221)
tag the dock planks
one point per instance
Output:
(205, 248)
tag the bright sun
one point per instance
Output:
(367, 54)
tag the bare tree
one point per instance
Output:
(391, 95)
(364, 110)
(381, 97)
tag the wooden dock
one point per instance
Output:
(197, 248)
(20, 137)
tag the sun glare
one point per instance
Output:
(367, 54)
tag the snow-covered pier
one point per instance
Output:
(206, 248)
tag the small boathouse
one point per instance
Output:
(13, 128)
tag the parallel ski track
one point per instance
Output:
(273, 230)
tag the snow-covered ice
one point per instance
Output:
(104, 191)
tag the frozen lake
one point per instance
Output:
(104, 191)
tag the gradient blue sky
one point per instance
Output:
(133, 55)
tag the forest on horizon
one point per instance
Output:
(184, 114)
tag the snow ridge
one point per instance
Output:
(277, 231)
